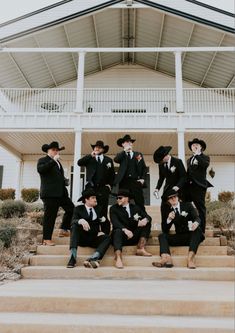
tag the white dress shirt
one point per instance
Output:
(101, 156)
(127, 207)
(93, 212)
(131, 153)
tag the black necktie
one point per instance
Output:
(176, 212)
(91, 214)
(129, 155)
(98, 160)
(166, 165)
(192, 160)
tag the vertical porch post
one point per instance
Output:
(80, 82)
(76, 168)
(181, 146)
(20, 167)
(179, 83)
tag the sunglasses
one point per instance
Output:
(120, 198)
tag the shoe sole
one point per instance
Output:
(91, 264)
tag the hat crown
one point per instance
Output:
(198, 141)
(124, 193)
(160, 153)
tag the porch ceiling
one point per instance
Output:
(115, 27)
(30, 143)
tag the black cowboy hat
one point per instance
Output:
(89, 192)
(160, 153)
(169, 193)
(196, 140)
(125, 138)
(100, 144)
(53, 144)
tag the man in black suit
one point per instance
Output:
(197, 184)
(171, 169)
(187, 230)
(99, 176)
(53, 192)
(132, 171)
(86, 230)
(131, 226)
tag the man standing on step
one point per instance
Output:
(131, 226)
(187, 230)
(86, 230)
(53, 192)
(195, 189)
(132, 171)
(99, 176)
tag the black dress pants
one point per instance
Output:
(191, 239)
(80, 237)
(136, 190)
(120, 239)
(197, 194)
(51, 206)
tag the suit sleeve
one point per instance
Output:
(76, 215)
(182, 175)
(194, 214)
(44, 166)
(203, 160)
(120, 157)
(161, 178)
(115, 219)
(84, 160)
(144, 169)
(165, 226)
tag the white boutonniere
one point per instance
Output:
(195, 162)
(102, 219)
(108, 165)
(137, 217)
(173, 168)
(183, 213)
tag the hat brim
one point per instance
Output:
(159, 157)
(46, 147)
(105, 148)
(121, 141)
(200, 142)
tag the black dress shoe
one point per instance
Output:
(72, 262)
(91, 263)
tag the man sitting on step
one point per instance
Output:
(187, 230)
(86, 230)
(131, 226)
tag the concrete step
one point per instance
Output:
(131, 250)
(129, 272)
(210, 241)
(179, 261)
(118, 297)
(86, 323)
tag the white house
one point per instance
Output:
(83, 70)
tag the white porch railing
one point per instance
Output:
(117, 100)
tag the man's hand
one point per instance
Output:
(84, 224)
(93, 153)
(156, 193)
(171, 216)
(57, 157)
(195, 225)
(141, 181)
(143, 222)
(128, 233)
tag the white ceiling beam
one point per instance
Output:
(134, 33)
(231, 81)
(46, 63)
(117, 49)
(10, 149)
(19, 70)
(211, 62)
(159, 40)
(69, 44)
(188, 43)
(97, 40)
(123, 34)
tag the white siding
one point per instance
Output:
(10, 174)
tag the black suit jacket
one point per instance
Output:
(80, 212)
(174, 177)
(120, 219)
(52, 178)
(196, 173)
(122, 159)
(91, 164)
(180, 222)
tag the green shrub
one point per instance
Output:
(7, 233)
(12, 208)
(7, 193)
(30, 194)
(221, 218)
(34, 207)
(226, 196)
(213, 205)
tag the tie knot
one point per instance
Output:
(176, 210)
(91, 213)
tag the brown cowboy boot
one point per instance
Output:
(140, 248)
(165, 261)
(118, 259)
(190, 261)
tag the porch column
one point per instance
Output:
(20, 168)
(181, 146)
(76, 168)
(179, 83)
(80, 82)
